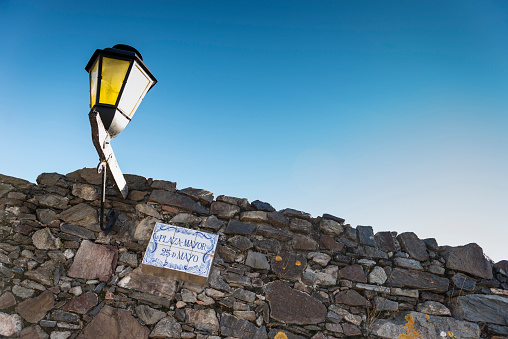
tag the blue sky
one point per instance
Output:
(386, 113)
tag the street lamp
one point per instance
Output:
(119, 81)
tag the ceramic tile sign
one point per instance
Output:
(179, 253)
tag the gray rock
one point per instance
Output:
(203, 196)
(177, 200)
(5, 189)
(463, 282)
(377, 276)
(238, 227)
(244, 295)
(468, 259)
(481, 308)
(277, 219)
(81, 215)
(144, 228)
(45, 240)
(327, 276)
(240, 242)
(22, 292)
(60, 334)
(163, 185)
(240, 328)
(186, 219)
(319, 258)
(257, 260)
(18, 183)
(85, 192)
(59, 315)
(408, 263)
(331, 227)
(291, 213)
(365, 235)
(262, 206)
(254, 216)
(243, 203)
(52, 201)
(271, 232)
(10, 325)
(420, 280)
(52, 179)
(204, 320)
(147, 210)
(78, 231)
(383, 304)
(167, 327)
(430, 328)
(149, 315)
(212, 222)
(223, 210)
(433, 308)
(46, 215)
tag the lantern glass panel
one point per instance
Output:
(113, 74)
(135, 89)
(93, 83)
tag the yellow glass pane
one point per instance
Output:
(93, 83)
(113, 75)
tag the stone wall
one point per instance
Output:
(276, 274)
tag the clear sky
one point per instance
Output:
(386, 113)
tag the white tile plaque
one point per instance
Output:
(179, 253)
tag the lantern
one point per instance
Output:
(119, 81)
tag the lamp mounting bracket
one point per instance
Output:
(101, 141)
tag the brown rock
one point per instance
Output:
(93, 261)
(328, 243)
(419, 280)
(33, 332)
(351, 330)
(413, 246)
(385, 241)
(354, 273)
(52, 179)
(351, 298)
(137, 280)
(82, 304)
(304, 243)
(468, 259)
(34, 309)
(114, 323)
(87, 175)
(7, 300)
(292, 306)
(288, 265)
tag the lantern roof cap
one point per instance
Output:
(120, 50)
